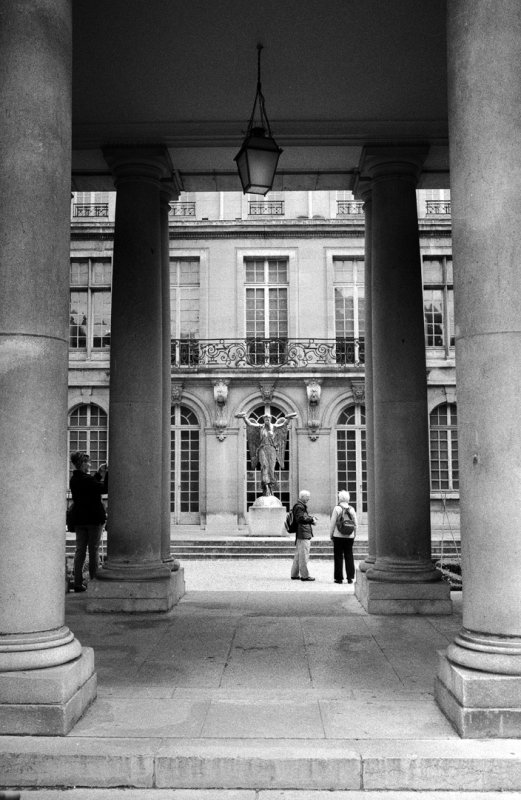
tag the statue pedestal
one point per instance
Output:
(266, 517)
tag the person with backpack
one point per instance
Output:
(342, 534)
(303, 522)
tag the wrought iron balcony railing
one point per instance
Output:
(265, 353)
(182, 209)
(83, 210)
(266, 208)
(437, 207)
(349, 208)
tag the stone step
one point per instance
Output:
(372, 765)
(245, 794)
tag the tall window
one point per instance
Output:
(349, 290)
(184, 309)
(184, 472)
(351, 455)
(253, 476)
(88, 431)
(266, 282)
(444, 448)
(438, 302)
(89, 320)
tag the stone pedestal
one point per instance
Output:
(47, 702)
(402, 598)
(266, 517)
(135, 596)
(480, 705)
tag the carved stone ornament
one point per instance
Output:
(358, 390)
(220, 394)
(313, 391)
(267, 390)
(177, 393)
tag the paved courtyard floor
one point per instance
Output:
(253, 668)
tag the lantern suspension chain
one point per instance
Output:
(259, 97)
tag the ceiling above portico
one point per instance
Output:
(336, 75)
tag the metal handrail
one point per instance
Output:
(254, 353)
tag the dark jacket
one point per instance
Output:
(304, 521)
(86, 493)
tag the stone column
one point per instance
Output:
(46, 678)
(167, 194)
(479, 679)
(364, 191)
(135, 577)
(403, 578)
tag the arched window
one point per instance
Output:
(444, 448)
(184, 466)
(351, 455)
(88, 431)
(253, 476)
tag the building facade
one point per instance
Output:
(267, 305)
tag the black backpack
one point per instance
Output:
(290, 522)
(344, 523)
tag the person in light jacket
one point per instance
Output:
(305, 521)
(342, 543)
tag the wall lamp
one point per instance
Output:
(259, 155)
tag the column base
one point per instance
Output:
(480, 705)
(47, 702)
(402, 598)
(136, 596)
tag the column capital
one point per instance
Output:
(391, 161)
(147, 162)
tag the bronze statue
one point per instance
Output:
(267, 443)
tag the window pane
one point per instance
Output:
(278, 270)
(79, 272)
(78, 320)
(254, 270)
(100, 319)
(101, 271)
(432, 270)
(433, 315)
(344, 311)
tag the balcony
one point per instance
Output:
(437, 208)
(90, 210)
(266, 208)
(250, 354)
(349, 208)
(182, 209)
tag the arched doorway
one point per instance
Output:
(184, 467)
(351, 461)
(253, 476)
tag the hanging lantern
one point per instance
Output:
(259, 155)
